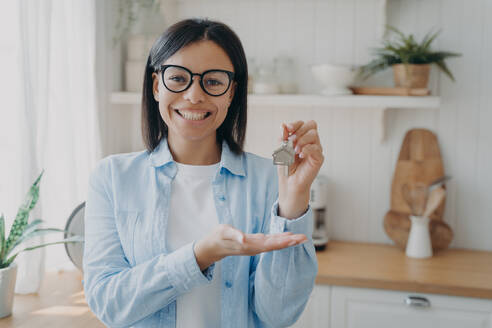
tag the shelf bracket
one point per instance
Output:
(381, 123)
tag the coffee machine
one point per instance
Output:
(318, 200)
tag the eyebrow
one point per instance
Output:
(205, 70)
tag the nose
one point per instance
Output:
(194, 93)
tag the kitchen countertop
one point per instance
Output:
(455, 272)
(61, 302)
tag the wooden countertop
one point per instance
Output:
(61, 302)
(451, 272)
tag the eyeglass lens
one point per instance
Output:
(214, 82)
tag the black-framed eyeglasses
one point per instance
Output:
(214, 82)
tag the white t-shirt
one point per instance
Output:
(192, 216)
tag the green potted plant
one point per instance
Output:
(128, 13)
(11, 245)
(409, 59)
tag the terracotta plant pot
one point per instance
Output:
(8, 276)
(411, 75)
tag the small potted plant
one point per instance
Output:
(409, 59)
(128, 14)
(11, 246)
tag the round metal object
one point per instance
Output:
(75, 226)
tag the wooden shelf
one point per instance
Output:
(379, 104)
(352, 101)
(303, 100)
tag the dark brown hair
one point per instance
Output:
(177, 36)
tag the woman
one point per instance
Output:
(194, 232)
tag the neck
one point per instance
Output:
(200, 152)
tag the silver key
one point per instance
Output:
(284, 156)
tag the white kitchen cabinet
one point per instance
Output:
(317, 311)
(348, 307)
(361, 307)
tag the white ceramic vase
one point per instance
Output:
(8, 276)
(419, 242)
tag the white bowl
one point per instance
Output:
(334, 78)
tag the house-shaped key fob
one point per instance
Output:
(284, 155)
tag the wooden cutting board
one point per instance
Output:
(419, 162)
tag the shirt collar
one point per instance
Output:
(234, 163)
(161, 155)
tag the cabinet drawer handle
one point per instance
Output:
(417, 301)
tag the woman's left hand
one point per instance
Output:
(294, 190)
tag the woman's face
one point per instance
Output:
(193, 115)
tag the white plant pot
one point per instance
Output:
(7, 285)
(134, 75)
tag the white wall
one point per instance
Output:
(463, 121)
(310, 31)
(359, 167)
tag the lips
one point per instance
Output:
(193, 115)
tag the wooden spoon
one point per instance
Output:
(419, 195)
(435, 198)
(405, 191)
(416, 197)
(439, 182)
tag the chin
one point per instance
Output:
(194, 136)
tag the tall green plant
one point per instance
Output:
(22, 230)
(406, 50)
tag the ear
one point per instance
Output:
(233, 91)
(155, 86)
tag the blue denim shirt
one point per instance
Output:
(132, 279)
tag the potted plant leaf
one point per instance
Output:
(128, 13)
(11, 245)
(409, 59)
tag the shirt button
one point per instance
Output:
(228, 284)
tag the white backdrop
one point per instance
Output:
(359, 167)
(49, 119)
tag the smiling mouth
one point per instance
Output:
(192, 116)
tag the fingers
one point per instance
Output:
(275, 242)
(288, 130)
(228, 232)
(259, 236)
(285, 132)
(294, 126)
(259, 243)
(235, 242)
(299, 128)
(313, 152)
(311, 137)
(303, 134)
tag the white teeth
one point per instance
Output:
(192, 115)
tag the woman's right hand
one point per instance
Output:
(226, 240)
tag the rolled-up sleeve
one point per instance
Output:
(302, 224)
(119, 294)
